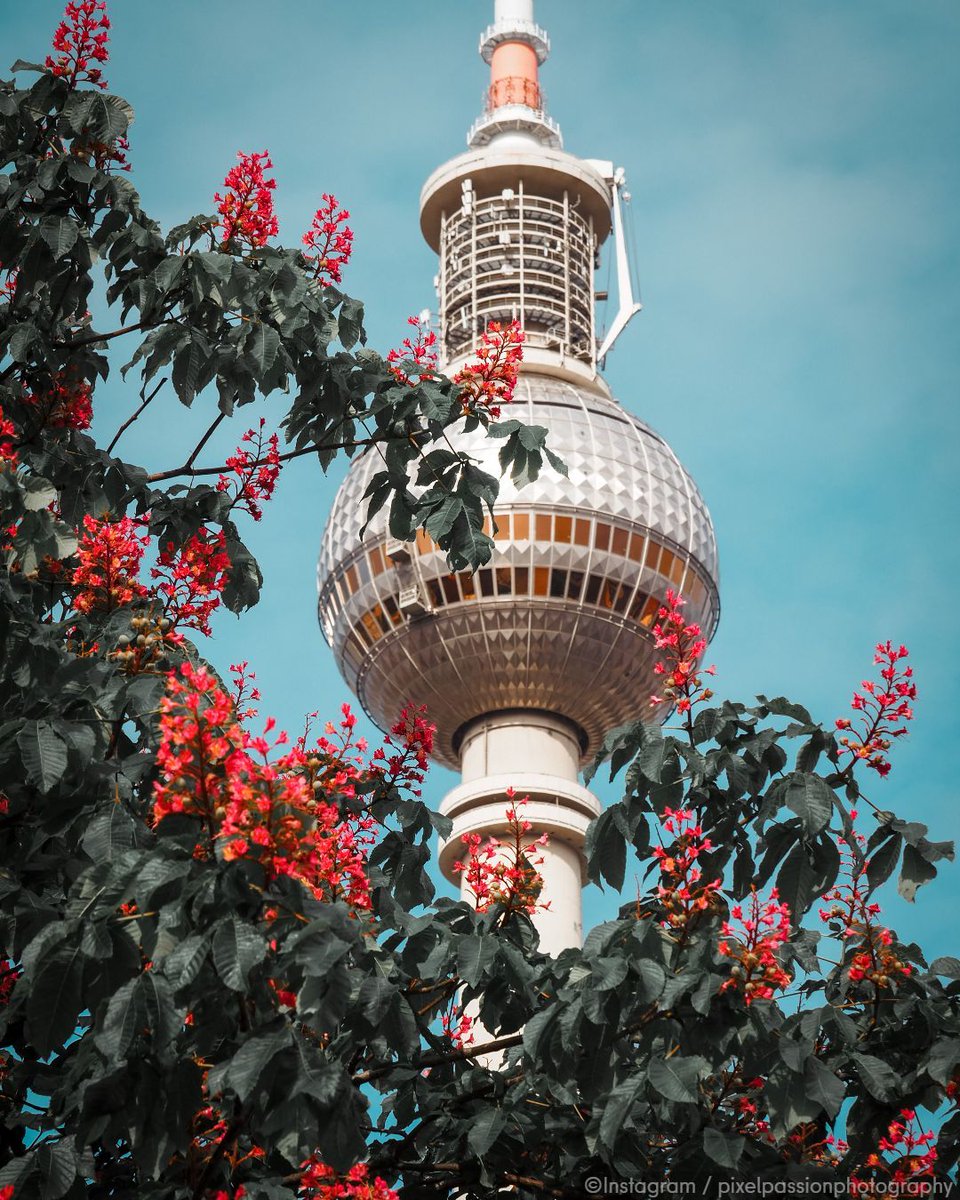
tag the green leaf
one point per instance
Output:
(947, 966)
(724, 1149)
(60, 234)
(475, 956)
(915, 871)
(340, 1136)
(606, 850)
(190, 367)
(237, 949)
(811, 799)
(58, 1168)
(242, 1073)
(350, 323)
(879, 1078)
(261, 346)
(485, 1129)
(182, 965)
(882, 862)
(44, 754)
(617, 1109)
(780, 706)
(54, 1004)
(676, 1078)
(823, 1086)
(124, 1017)
(795, 881)
(108, 117)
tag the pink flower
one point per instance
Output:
(246, 208)
(81, 38)
(882, 709)
(329, 240)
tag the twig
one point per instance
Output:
(437, 1058)
(130, 420)
(315, 448)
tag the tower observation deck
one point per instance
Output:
(525, 664)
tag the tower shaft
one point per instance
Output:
(537, 756)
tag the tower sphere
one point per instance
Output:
(560, 620)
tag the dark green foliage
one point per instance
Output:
(147, 975)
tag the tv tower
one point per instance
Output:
(525, 664)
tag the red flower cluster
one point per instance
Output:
(404, 761)
(753, 947)
(916, 1157)
(198, 736)
(109, 557)
(321, 1182)
(681, 890)
(505, 872)
(255, 473)
(883, 705)
(81, 39)
(742, 1099)
(246, 207)
(684, 645)
(280, 813)
(872, 958)
(9, 974)
(490, 381)
(8, 431)
(418, 354)
(6, 1192)
(210, 1128)
(190, 580)
(64, 405)
(458, 1027)
(329, 240)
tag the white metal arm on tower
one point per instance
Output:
(629, 306)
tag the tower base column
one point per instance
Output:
(537, 754)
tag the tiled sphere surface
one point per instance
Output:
(559, 622)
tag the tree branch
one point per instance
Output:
(436, 1058)
(130, 420)
(187, 469)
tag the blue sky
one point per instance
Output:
(794, 173)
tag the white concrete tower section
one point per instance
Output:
(517, 223)
(525, 664)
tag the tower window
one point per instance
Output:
(650, 611)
